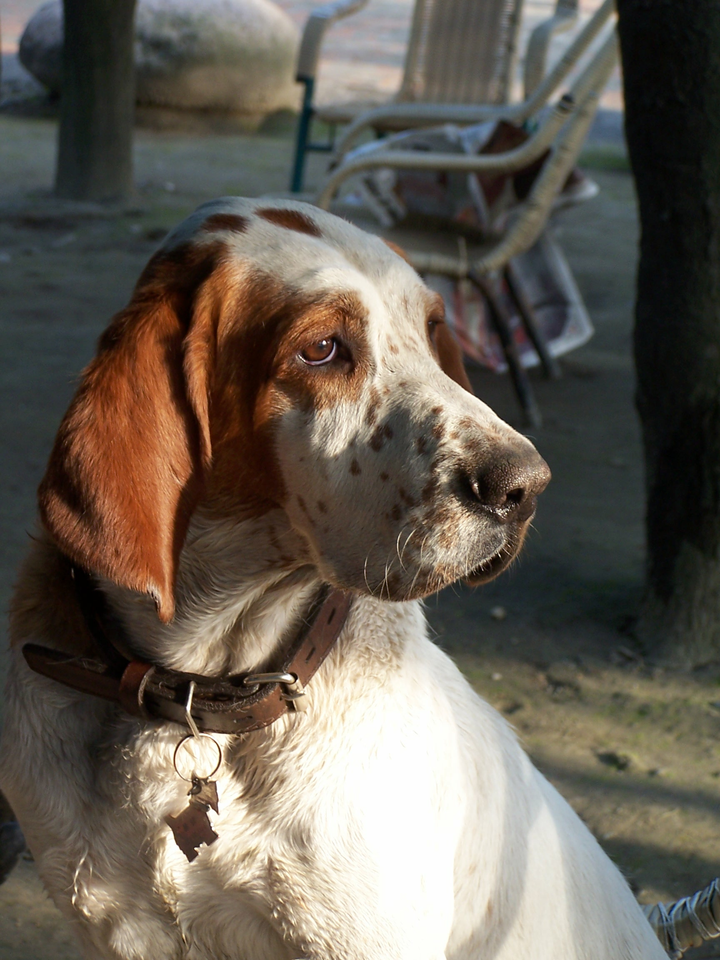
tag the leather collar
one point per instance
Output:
(236, 704)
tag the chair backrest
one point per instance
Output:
(461, 51)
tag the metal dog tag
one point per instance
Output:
(191, 828)
(204, 791)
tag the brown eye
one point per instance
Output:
(322, 351)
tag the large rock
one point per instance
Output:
(221, 55)
(40, 50)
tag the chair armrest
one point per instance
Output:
(564, 17)
(412, 115)
(577, 106)
(317, 23)
(375, 154)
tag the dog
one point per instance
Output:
(227, 733)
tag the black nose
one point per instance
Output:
(507, 487)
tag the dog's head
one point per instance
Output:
(274, 356)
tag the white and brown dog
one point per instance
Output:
(280, 409)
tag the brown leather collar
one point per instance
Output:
(236, 704)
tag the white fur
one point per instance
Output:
(397, 818)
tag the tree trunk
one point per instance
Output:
(671, 70)
(97, 105)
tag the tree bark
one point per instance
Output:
(97, 107)
(672, 116)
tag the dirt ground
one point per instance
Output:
(634, 749)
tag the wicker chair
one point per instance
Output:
(460, 53)
(558, 135)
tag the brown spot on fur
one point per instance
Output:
(406, 498)
(421, 445)
(442, 519)
(322, 506)
(384, 476)
(291, 220)
(429, 490)
(396, 513)
(225, 221)
(438, 431)
(445, 538)
(302, 505)
(394, 584)
(371, 415)
(355, 468)
(388, 431)
(377, 439)
(393, 348)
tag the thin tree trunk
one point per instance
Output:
(671, 65)
(98, 101)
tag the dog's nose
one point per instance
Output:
(507, 488)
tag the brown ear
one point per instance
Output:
(449, 352)
(450, 356)
(126, 469)
(396, 248)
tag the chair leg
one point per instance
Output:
(527, 315)
(303, 133)
(501, 322)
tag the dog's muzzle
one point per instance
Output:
(505, 490)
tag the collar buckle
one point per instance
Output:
(293, 690)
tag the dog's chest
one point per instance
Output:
(317, 828)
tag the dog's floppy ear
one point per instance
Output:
(126, 469)
(450, 356)
(396, 248)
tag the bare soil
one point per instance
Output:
(550, 644)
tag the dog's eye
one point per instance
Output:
(322, 351)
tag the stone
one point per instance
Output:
(213, 55)
(40, 49)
